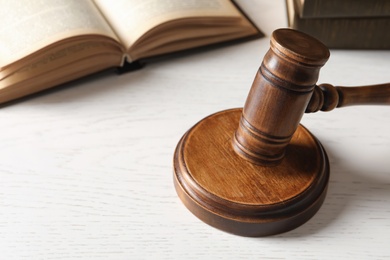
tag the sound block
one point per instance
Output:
(234, 195)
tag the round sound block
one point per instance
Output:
(237, 196)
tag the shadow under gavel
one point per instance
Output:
(256, 171)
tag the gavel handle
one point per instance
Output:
(327, 97)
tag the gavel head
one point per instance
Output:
(279, 96)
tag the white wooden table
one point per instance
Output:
(86, 170)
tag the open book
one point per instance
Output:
(49, 42)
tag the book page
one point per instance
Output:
(27, 26)
(132, 18)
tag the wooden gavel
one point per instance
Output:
(284, 88)
(256, 171)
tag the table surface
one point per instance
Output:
(86, 169)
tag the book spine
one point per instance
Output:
(343, 8)
(343, 33)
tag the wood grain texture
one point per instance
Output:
(279, 96)
(84, 173)
(326, 97)
(269, 175)
(230, 193)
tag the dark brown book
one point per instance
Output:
(342, 8)
(343, 33)
(46, 43)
